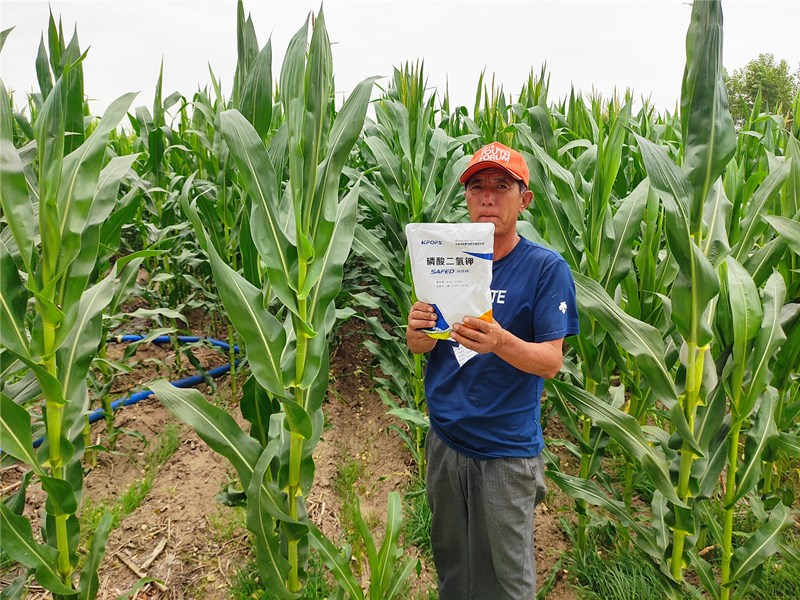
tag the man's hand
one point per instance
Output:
(422, 316)
(479, 335)
(539, 358)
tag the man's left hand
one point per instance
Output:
(479, 335)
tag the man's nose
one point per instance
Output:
(487, 197)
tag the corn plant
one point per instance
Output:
(54, 204)
(579, 214)
(302, 233)
(726, 343)
(413, 171)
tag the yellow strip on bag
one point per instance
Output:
(451, 264)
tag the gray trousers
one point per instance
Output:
(482, 528)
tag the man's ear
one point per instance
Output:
(527, 198)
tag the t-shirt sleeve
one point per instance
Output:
(555, 311)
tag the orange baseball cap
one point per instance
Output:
(497, 155)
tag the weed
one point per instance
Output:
(345, 487)
(605, 571)
(417, 525)
(228, 523)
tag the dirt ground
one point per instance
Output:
(183, 537)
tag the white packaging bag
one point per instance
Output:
(451, 264)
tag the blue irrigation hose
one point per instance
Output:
(186, 382)
(165, 339)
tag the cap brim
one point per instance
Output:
(485, 164)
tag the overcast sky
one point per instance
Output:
(590, 44)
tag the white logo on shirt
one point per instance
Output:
(563, 308)
(499, 296)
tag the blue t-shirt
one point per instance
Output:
(479, 404)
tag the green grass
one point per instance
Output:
(605, 572)
(417, 524)
(344, 485)
(228, 522)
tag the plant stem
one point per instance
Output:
(730, 493)
(585, 461)
(694, 376)
(54, 424)
(296, 440)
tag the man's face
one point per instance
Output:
(494, 196)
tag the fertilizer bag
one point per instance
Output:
(451, 264)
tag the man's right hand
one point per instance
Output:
(422, 316)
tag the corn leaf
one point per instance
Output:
(13, 304)
(15, 432)
(627, 222)
(331, 263)
(697, 283)
(758, 438)
(560, 233)
(705, 572)
(336, 562)
(14, 589)
(256, 98)
(762, 543)
(19, 544)
(789, 444)
(79, 179)
(589, 491)
(387, 557)
(761, 263)
(324, 219)
(49, 131)
(638, 338)
(716, 215)
(257, 172)
(297, 417)
(369, 547)
(218, 429)
(439, 211)
(707, 126)
(14, 199)
(262, 333)
(105, 196)
(753, 225)
(624, 429)
(745, 321)
(768, 339)
(788, 229)
(77, 352)
(89, 581)
(272, 566)
(61, 498)
(215, 426)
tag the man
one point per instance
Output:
(485, 471)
